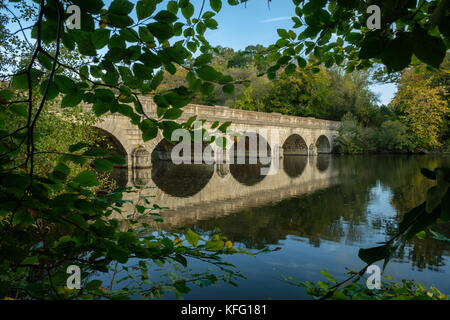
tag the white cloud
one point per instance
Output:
(276, 19)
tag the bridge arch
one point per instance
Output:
(112, 142)
(262, 146)
(323, 145)
(295, 145)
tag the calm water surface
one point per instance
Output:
(315, 212)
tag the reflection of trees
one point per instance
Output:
(337, 213)
(424, 254)
(315, 216)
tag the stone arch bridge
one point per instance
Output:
(297, 135)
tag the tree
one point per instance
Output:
(423, 107)
(336, 32)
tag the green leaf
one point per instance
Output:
(188, 11)
(173, 113)
(172, 6)
(72, 100)
(87, 179)
(145, 8)
(6, 95)
(421, 235)
(52, 91)
(46, 61)
(208, 73)
(215, 124)
(165, 16)
(78, 146)
(19, 109)
(216, 5)
(149, 130)
(372, 255)
(20, 81)
(429, 49)
(290, 69)
(176, 100)
(120, 21)
(223, 127)
(92, 6)
(121, 7)
(61, 171)
(161, 31)
(192, 238)
(127, 238)
(116, 160)
(96, 152)
(103, 165)
(214, 245)
(118, 254)
(207, 88)
(228, 89)
(283, 33)
(92, 285)
(64, 84)
(397, 54)
(86, 47)
(100, 38)
(211, 24)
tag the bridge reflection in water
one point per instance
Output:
(194, 192)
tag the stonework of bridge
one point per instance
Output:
(297, 135)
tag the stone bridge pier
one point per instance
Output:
(286, 135)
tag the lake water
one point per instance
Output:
(315, 213)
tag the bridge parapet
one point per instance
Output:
(223, 113)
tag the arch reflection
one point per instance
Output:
(294, 165)
(248, 174)
(323, 162)
(184, 180)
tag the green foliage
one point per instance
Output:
(51, 214)
(336, 32)
(390, 290)
(392, 136)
